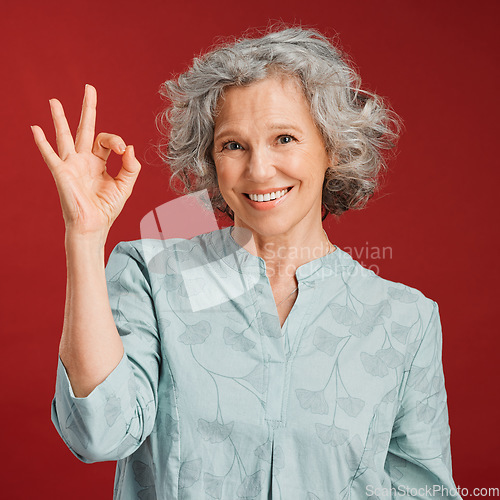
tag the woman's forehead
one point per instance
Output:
(270, 98)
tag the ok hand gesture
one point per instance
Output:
(91, 199)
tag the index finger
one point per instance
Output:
(86, 127)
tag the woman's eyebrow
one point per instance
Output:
(223, 132)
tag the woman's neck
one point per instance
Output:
(284, 252)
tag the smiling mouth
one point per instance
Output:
(263, 198)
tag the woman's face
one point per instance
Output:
(265, 140)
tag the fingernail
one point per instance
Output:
(132, 150)
(122, 148)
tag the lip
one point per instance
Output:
(268, 205)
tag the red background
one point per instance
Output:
(435, 61)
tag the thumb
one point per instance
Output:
(130, 168)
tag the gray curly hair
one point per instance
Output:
(356, 125)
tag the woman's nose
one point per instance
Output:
(260, 165)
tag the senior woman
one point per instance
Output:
(259, 360)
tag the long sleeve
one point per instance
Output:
(117, 416)
(419, 456)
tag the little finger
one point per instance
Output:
(48, 154)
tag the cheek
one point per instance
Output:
(292, 161)
(306, 166)
(227, 175)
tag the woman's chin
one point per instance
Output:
(265, 226)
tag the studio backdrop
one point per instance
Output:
(433, 225)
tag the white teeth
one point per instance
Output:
(268, 196)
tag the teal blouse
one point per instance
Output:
(214, 400)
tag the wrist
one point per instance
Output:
(88, 241)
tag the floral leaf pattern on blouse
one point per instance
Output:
(264, 451)
(325, 341)
(189, 473)
(251, 485)
(256, 378)
(213, 485)
(213, 399)
(269, 325)
(400, 332)
(196, 334)
(372, 316)
(169, 425)
(418, 379)
(374, 365)
(312, 400)
(390, 396)
(402, 294)
(425, 412)
(352, 406)
(331, 434)
(74, 423)
(391, 357)
(214, 432)
(143, 473)
(343, 315)
(237, 340)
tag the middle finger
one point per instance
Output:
(86, 128)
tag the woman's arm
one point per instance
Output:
(90, 346)
(419, 455)
(91, 200)
(105, 400)
(117, 416)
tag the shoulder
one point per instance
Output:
(365, 302)
(158, 256)
(370, 288)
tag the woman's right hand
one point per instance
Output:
(91, 199)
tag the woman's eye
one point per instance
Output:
(231, 146)
(285, 139)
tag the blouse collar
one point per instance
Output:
(241, 260)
